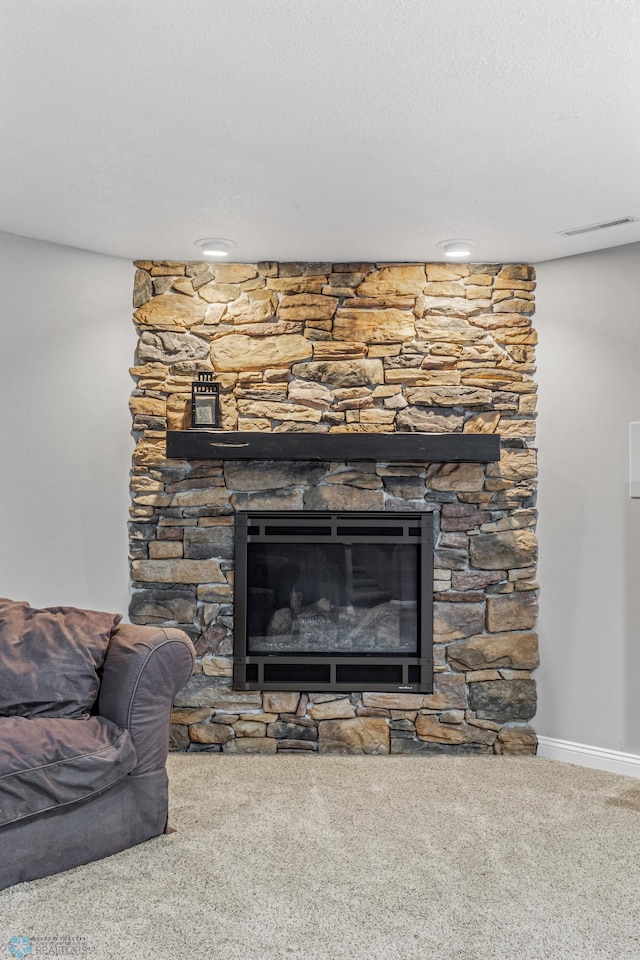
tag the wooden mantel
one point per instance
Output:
(199, 444)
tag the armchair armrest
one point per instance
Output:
(143, 670)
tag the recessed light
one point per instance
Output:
(215, 247)
(457, 249)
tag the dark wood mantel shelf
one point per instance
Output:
(201, 444)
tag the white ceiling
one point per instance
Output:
(320, 129)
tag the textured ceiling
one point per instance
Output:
(334, 129)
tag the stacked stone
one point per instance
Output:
(344, 348)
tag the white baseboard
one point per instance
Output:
(597, 758)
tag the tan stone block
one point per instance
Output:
(156, 370)
(514, 306)
(256, 307)
(479, 676)
(148, 406)
(514, 465)
(211, 732)
(493, 321)
(450, 306)
(297, 284)
(356, 404)
(401, 280)
(445, 271)
(254, 424)
(209, 496)
(423, 421)
(516, 740)
(217, 667)
(446, 288)
(478, 279)
(382, 303)
(376, 415)
(150, 451)
(318, 329)
(515, 521)
(219, 292)
(450, 330)
(515, 335)
(373, 326)
(328, 350)
(185, 286)
(312, 394)
(250, 728)
(276, 702)
(262, 745)
(187, 716)
(527, 404)
(394, 701)
(383, 350)
(269, 328)
(176, 571)
(462, 477)
(448, 396)
(170, 311)
(237, 353)
(331, 290)
(412, 376)
(360, 735)
(278, 411)
(517, 271)
(333, 710)
(511, 427)
(234, 272)
(498, 295)
(475, 293)
(502, 283)
(386, 391)
(396, 402)
(307, 306)
(165, 549)
(482, 423)
(164, 268)
(449, 693)
(430, 729)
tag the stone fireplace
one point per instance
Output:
(343, 350)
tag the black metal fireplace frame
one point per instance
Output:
(335, 672)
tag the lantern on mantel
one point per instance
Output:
(205, 402)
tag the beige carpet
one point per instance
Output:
(324, 858)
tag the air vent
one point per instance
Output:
(597, 226)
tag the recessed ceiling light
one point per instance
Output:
(457, 249)
(215, 247)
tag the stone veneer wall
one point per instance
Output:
(343, 348)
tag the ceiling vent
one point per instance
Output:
(597, 226)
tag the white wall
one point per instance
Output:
(588, 319)
(67, 342)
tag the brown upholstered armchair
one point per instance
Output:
(85, 784)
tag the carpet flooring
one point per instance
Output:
(359, 858)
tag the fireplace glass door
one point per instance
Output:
(333, 601)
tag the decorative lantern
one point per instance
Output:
(205, 402)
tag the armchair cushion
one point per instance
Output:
(50, 762)
(50, 658)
